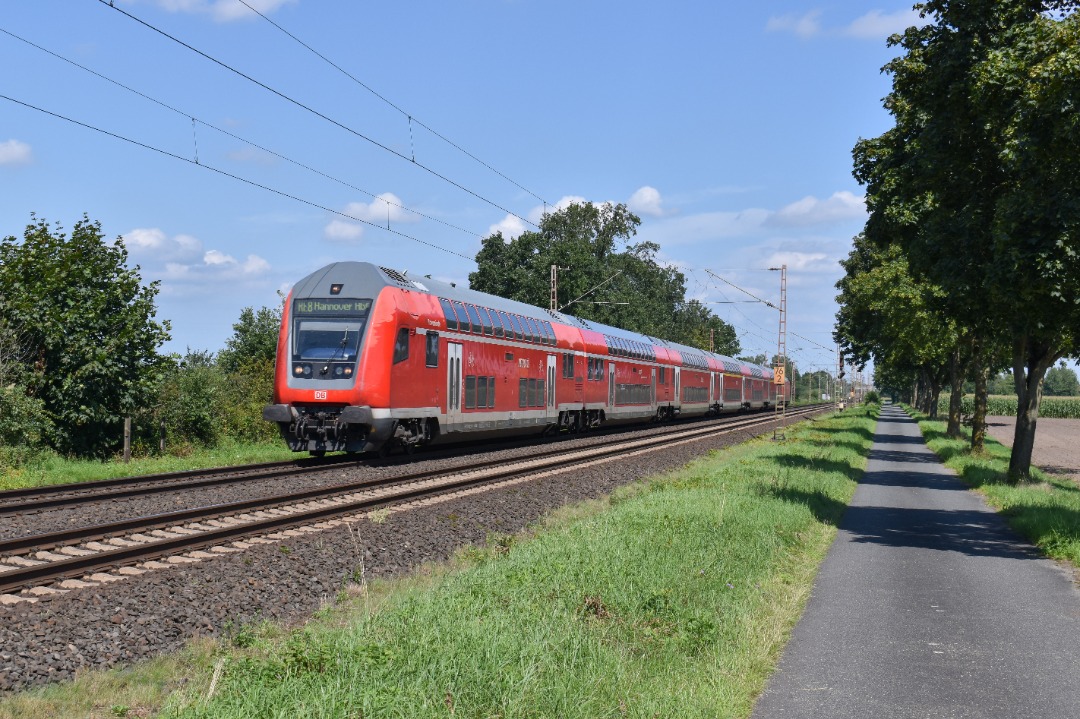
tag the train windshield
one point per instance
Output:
(327, 339)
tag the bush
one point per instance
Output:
(24, 428)
(872, 398)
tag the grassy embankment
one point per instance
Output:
(671, 598)
(1046, 510)
(54, 469)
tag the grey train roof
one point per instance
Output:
(351, 273)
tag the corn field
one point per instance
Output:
(1005, 406)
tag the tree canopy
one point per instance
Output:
(86, 325)
(604, 277)
(978, 184)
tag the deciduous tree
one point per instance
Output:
(89, 328)
(607, 278)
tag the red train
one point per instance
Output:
(369, 359)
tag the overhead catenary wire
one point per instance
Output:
(411, 118)
(196, 120)
(230, 175)
(315, 112)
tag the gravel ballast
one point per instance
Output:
(157, 612)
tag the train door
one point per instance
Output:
(678, 386)
(611, 385)
(714, 390)
(652, 398)
(552, 410)
(453, 383)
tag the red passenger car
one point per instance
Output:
(369, 359)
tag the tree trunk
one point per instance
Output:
(956, 397)
(933, 385)
(978, 417)
(1030, 362)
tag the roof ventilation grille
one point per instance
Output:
(396, 277)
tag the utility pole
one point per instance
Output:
(779, 377)
(555, 286)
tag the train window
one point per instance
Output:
(550, 331)
(432, 349)
(491, 393)
(481, 392)
(448, 313)
(470, 391)
(477, 328)
(527, 328)
(496, 320)
(539, 393)
(508, 328)
(567, 365)
(663, 375)
(523, 389)
(519, 333)
(591, 369)
(401, 345)
(538, 331)
(464, 324)
(485, 320)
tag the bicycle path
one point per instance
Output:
(927, 606)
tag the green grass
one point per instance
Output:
(53, 469)
(671, 598)
(1045, 510)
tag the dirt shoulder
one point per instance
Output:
(1057, 443)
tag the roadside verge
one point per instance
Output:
(1045, 510)
(672, 597)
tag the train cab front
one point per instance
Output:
(319, 399)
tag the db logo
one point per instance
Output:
(320, 394)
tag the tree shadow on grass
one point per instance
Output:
(794, 461)
(863, 432)
(824, 508)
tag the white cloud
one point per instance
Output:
(383, 207)
(511, 227)
(217, 257)
(802, 261)
(223, 10)
(342, 231)
(812, 211)
(646, 201)
(804, 26)
(15, 152)
(153, 243)
(876, 24)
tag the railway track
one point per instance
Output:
(102, 553)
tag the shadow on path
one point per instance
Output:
(974, 533)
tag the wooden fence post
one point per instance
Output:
(127, 439)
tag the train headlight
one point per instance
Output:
(339, 371)
(298, 370)
(307, 370)
(348, 371)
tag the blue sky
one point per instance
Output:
(727, 127)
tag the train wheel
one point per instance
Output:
(317, 452)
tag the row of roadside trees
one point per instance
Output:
(970, 259)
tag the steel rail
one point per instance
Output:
(19, 578)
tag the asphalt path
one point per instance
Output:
(928, 606)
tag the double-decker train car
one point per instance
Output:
(369, 359)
